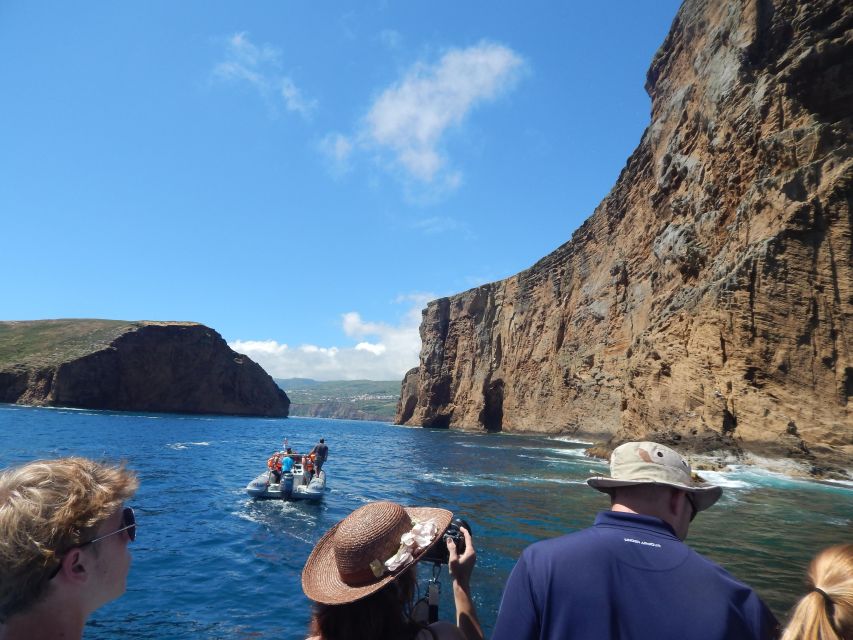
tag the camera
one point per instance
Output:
(439, 553)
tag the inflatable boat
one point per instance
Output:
(294, 485)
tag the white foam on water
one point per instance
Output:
(533, 480)
(456, 480)
(177, 446)
(549, 459)
(245, 515)
(571, 440)
(847, 484)
(750, 476)
(575, 453)
(472, 445)
(579, 453)
(721, 479)
(760, 477)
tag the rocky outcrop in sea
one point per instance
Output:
(708, 300)
(175, 367)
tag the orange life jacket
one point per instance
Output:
(274, 462)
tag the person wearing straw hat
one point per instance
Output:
(630, 575)
(362, 579)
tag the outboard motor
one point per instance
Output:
(286, 485)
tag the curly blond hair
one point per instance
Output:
(46, 508)
(826, 611)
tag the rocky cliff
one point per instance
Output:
(708, 299)
(132, 366)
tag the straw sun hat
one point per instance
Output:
(356, 557)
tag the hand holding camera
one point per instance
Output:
(439, 552)
(462, 558)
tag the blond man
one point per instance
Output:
(64, 532)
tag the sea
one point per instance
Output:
(210, 562)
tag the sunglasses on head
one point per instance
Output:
(128, 523)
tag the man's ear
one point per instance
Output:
(74, 567)
(675, 504)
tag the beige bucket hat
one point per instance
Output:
(636, 463)
(369, 548)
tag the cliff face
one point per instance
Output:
(140, 366)
(708, 299)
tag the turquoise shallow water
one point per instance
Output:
(211, 563)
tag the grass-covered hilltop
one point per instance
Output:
(342, 399)
(181, 367)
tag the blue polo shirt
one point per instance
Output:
(287, 464)
(627, 577)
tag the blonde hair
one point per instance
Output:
(47, 507)
(830, 616)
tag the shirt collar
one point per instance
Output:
(637, 520)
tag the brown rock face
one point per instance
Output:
(142, 366)
(709, 298)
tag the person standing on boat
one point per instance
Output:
(64, 535)
(630, 575)
(321, 452)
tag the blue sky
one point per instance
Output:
(303, 177)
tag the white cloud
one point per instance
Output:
(440, 224)
(391, 38)
(393, 350)
(259, 66)
(411, 117)
(293, 99)
(337, 148)
(375, 349)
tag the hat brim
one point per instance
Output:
(321, 581)
(704, 495)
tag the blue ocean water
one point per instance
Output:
(211, 563)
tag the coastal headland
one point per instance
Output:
(708, 300)
(342, 399)
(174, 367)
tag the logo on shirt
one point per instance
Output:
(642, 542)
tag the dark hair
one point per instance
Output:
(322, 439)
(385, 614)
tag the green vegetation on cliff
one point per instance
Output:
(40, 343)
(346, 399)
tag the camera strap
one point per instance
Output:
(433, 593)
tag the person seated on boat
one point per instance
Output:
(274, 465)
(362, 576)
(287, 462)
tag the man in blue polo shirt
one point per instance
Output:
(630, 576)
